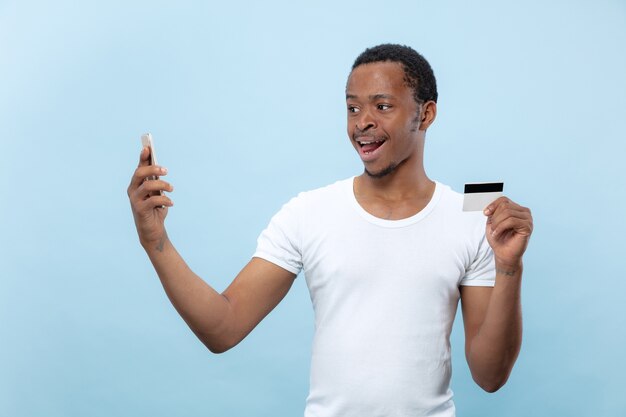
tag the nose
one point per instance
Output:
(365, 121)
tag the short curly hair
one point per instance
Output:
(418, 74)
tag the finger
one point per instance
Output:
(156, 201)
(144, 157)
(492, 207)
(504, 204)
(519, 226)
(498, 203)
(143, 172)
(506, 211)
(150, 187)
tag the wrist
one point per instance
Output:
(509, 268)
(158, 245)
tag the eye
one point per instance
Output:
(383, 107)
(353, 109)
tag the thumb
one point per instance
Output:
(144, 157)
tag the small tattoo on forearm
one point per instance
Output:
(161, 244)
(508, 273)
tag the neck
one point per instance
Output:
(409, 180)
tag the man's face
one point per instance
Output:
(383, 118)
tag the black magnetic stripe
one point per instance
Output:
(488, 187)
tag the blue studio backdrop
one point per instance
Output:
(246, 104)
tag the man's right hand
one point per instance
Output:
(148, 205)
(219, 320)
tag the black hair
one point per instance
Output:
(418, 74)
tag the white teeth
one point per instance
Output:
(373, 141)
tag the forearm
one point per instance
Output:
(493, 351)
(204, 310)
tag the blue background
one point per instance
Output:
(246, 104)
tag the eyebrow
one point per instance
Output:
(372, 97)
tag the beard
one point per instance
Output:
(385, 171)
(382, 173)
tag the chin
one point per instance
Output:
(383, 172)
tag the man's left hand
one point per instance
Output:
(509, 227)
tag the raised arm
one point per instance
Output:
(219, 320)
(493, 316)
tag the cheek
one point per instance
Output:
(414, 123)
(350, 128)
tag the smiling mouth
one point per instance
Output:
(369, 146)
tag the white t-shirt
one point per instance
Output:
(384, 292)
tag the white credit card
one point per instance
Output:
(479, 195)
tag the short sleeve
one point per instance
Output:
(482, 271)
(279, 243)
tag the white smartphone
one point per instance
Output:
(147, 142)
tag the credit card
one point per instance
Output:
(479, 195)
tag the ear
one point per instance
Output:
(428, 114)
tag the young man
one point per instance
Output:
(386, 256)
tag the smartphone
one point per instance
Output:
(147, 142)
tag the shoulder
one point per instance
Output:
(310, 209)
(323, 196)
